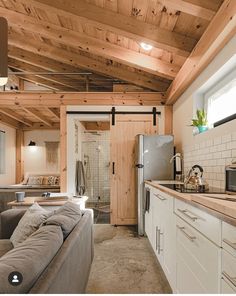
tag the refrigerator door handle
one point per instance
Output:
(147, 204)
(139, 166)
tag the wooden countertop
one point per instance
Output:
(222, 209)
(29, 201)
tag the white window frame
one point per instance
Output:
(216, 89)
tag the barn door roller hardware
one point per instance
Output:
(113, 113)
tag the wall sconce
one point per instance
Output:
(32, 143)
(3, 51)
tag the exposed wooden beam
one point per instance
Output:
(9, 121)
(63, 149)
(19, 155)
(168, 127)
(221, 29)
(120, 24)
(55, 112)
(48, 99)
(42, 126)
(50, 85)
(34, 112)
(189, 8)
(24, 67)
(95, 46)
(106, 68)
(53, 65)
(16, 116)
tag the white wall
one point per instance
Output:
(200, 147)
(9, 177)
(35, 157)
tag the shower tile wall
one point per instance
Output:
(96, 165)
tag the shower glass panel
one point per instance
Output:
(96, 160)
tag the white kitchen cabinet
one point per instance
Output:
(148, 217)
(198, 261)
(164, 234)
(229, 238)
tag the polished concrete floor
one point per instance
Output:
(124, 263)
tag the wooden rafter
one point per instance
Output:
(47, 99)
(24, 67)
(52, 65)
(120, 24)
(107, 68)
(219, 32)
(9, 121)
(189, 8)
(55, 112)
(34, 112)
(16, 116)
(93, 45)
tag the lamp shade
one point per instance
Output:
(3, 51)
(32, 143)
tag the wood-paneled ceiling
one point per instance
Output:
(102, 38)
(91, 45)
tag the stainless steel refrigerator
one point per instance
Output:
(153, 154)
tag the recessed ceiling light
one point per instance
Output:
(145, 46)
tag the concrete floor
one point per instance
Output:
(124, 263)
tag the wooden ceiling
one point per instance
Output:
(92, 45)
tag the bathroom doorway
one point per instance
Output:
(95, 148)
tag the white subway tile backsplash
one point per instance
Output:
(213, 155)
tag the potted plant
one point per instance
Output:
(201, 121)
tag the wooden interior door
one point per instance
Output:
(123, 170)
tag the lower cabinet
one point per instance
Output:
(198, 261)
(162, 237)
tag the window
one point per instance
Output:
(221, 103)
(2, 152)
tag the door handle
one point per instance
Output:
(113, 168)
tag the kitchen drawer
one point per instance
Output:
(198, 261)
(161, 195)
(229, 269)
(207, 224)
(229, 238)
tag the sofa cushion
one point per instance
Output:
(30, 258)
(67, 216)
(5, 246)
(29, 223)
(35, 180)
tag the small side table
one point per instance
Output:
(47, 204)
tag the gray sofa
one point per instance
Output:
(67, 270)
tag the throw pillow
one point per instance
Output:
(57, 180)
(35, 180)
(45, 180)
(29, 223)
(67, 216)
(51, 180)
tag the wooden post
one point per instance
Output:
(63, 148)
(19, 155)
(168, 120)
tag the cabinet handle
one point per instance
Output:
(160, 197)
(232, 245)
(157, 236)
(190, 237)
(185, 213)
(229, 278)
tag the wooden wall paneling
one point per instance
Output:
(219, 32)
(168, 129)
(52, 99)
(19, 155)
(63, 148)
(123, 192)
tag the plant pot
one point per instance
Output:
(202, 128)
